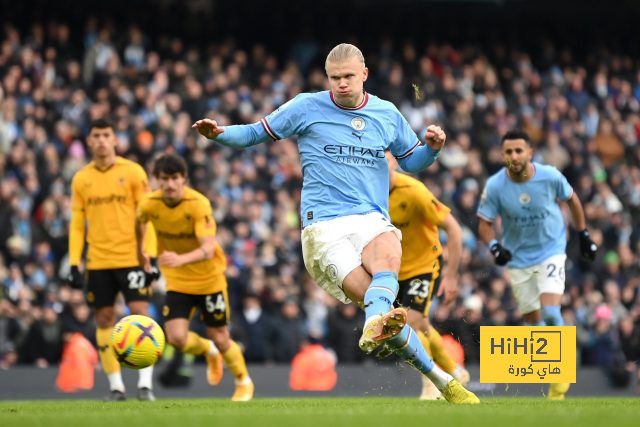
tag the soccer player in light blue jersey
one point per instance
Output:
(350, 247)
(525, 195)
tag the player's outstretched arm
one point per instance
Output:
(422, 156)
(588, 248)
(236, 136)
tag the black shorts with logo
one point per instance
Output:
(103, 286)
(214, 307)
(416, 293)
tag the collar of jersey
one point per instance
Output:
(95, 166)
(365, 99)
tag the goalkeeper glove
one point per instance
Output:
(75, 278)
(588, 248)
(501, 255)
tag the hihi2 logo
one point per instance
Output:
(527, 354)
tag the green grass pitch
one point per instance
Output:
(324, 412)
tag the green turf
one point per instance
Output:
(325, 412)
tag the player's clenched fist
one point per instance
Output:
(501, 255)
(435, 137)
(588, 248)
(208, 128)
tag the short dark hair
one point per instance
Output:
(169, 164)
(100, 124)
(516, 134)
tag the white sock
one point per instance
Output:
(115, 381)
(213, 350)
(246, 380)
(439, 377)
(145, 377)
(457, 371)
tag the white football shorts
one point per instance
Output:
(332, 249)
(528, 283)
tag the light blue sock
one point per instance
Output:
(408, 346)
(540, 323)
(552, 316)
(381, 293)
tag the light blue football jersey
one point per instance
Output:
(533, 228)
(342, 152)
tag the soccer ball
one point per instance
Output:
(138, 341)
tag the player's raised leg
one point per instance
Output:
(406, 344)
(381, 258)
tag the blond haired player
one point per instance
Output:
(418, 214)
(104, 198)
(349, 245)
(193, 265)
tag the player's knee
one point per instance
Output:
(178, 340)
(141, 308)
(220, 337)
(394, 262)
(105, 317)
(389, 262)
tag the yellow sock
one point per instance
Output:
(235, 361)
(425, 342)
(440, 355)
(196, 344)
(108, 360)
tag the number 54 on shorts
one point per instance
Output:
(527, 354)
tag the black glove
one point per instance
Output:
(588, 248)
(75, 279)
(151, 276)
(501, 255)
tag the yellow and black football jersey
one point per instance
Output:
(417, 213)
(105, 201)
(178, 229)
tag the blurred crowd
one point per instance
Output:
(583, 117)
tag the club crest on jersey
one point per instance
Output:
(332, 271)
(524, 199)
(358, 123)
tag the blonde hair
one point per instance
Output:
(343, 52)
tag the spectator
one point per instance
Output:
(254, 329)
(602, 344)
(290, 332)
